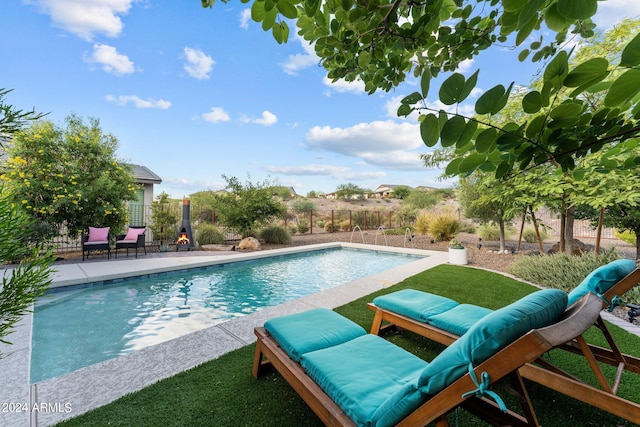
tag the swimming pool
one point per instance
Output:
(80, 326)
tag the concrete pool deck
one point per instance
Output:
(51, 401)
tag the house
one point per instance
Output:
(139, 212)
(385, 190)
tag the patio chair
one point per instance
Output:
(444, 321)
(134, 239)
(349, 377)
(97, 239)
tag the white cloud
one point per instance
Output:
(336, 173)
(382, 143)
(138, 102)
(300, 61)
(216, 115)
(343, 86)
(267, 119)
(198, 64)
(611, 12)
(245, 17)
(110, 60)
(85, 19)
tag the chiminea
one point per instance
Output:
(185, 236)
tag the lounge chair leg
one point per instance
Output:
(377, 321)
(257, 360)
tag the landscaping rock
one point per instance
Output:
(250, 244)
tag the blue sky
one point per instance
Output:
(196, 93)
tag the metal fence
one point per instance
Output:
(334, 220)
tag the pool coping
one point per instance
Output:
(51, 401)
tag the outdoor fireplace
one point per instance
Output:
(185, 236)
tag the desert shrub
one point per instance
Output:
(529, 234)
(302, 206)
(208, 234)
(303, 226)
(441, 226)
(626, 236)
(489, 232)
(275, 234)
(560, 270)
(329, 227)
(320, 223)
(345, 225)
(406, 215)
(292, 227)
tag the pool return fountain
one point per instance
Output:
(361, 235)
(381, 228)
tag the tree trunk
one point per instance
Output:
(568, 230)
(599, 232)
(524, 218)
(535, 227)
(503, 246)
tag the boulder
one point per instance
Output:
(249, 244)
(579, 248)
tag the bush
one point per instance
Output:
(320, 223)
(329, 227)
(490, 232)
(275, 234)
(292, 227)
(529, 234)
(303, 226)
(208, 234)
(440, 226)
(560, 270)
(626, 236)
(345, 225)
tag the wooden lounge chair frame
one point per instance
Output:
(504, 363)
(544, 372)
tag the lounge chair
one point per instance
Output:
(444, 320)
(349, 377)
(134, 239)
(97, 239)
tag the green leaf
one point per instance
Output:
(451, 89)
(364, 58)
(523, 55)
(587, 72)
(492, 100)
(404, 110)
(425, 82)
(502, 169)
(623, 88)
(532, 102)
(468, 86)
(558, 67)
(512, 5)
(566, 110)
(287, 9)
(453, 168)
(311, 7)
(486, 140)
(269, 19)
(257, 11)
(535, 127)
(467, 134)
(631, 53)
(452, 130)
(430, 130)
(577, 9)
(412, 99)
(471, 162)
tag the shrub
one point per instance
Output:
(329, 227)
(626, 236)
(208, 234)
(440, 226)
(345, 225)
(560, 270)
(320, 223)
(529, 234)
(489, 232)
(292, 227)
(275, 234)
(303, 226)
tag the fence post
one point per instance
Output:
(310, 221)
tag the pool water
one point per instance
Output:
(79, 326)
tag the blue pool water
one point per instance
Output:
(80, 326)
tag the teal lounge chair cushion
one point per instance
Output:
(371, 379)
(602, 279)
(415, 304)
(311, 330)
(490, 334)
(459, 319)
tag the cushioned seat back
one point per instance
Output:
(490, 334)
(312, 330)
(415, 304)
(602, 279)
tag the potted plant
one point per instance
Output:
(457, 253)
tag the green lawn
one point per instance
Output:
(222, 392)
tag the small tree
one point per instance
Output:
(246, 208)
(347, 191)
(401, 192)
(69, 177)
(163, 218)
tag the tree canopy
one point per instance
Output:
(383, 42)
